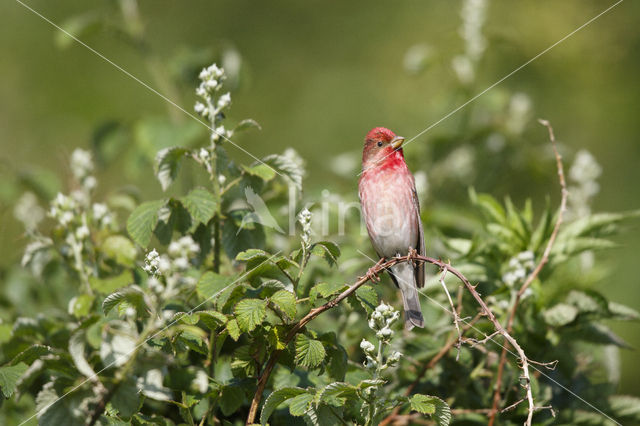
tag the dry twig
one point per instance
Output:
(529, 280)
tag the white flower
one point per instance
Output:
(28, 211)
(81, 163)
(222, 179)
(367, 346)
(181, 263)
(201, 381)
(224, 100)
(152, 262)
(463, 67)
(394, 358)
(82, 232)
(585, 168)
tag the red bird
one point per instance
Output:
(392, 214)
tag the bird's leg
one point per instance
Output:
(411, 256)
(372, 273)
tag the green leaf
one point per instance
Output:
(76, 350)
(121, 249)
(247, 124)
(328, 250)
(309, 352)
(298, 405)
(9, 376)
(560, 314)
(489, 206)
(54, 410)
(201, 204)
(143, 221)
(623, 312)
(336, 394)
(426, 404)
(263, 171)
(625, 406)
(30, 354)
(368, 298)
(80, 305)
(212, 319)
(250, 313)
(233, 329)
(231, 398)
(287, 166)
(126, 399)
(276, 398)
(286, 301)
(168, 164)
(111, 284)
(211, 285)
(132, 295)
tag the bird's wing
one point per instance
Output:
(419, 270)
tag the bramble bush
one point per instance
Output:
(176, 310)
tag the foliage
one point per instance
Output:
(172, 307)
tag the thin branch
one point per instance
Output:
(454, 313)
(370, 276)
(531, 277)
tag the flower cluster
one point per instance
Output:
(211, 79)
(583, 175)
(28, 211)
(304, 218)
(519, 266)
(171, 266)
(82, 168)
(63, 209)
(473, 15)
(380, 321)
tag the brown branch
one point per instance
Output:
(532, 276)
(371, 275)
(453, 340)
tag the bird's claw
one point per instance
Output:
(373, 272)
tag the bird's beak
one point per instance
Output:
(397, 142)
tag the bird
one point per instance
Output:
(391, 212)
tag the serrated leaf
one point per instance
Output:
(167, 165)
(201, 204)
(298, 405)
(231, 398)
(31, 354)
(250, 313)
(9, 376)
(287, 166)
(336, 394)
(440, 411)
(275, 399)
(560, 314)
(286, 301)
(143, 221)
(368, 298)
(133, 295)
(328, 250)
(211, 285)
(309, 352)
(80, 305)
(233, 329)
(212, 319)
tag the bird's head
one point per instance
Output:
(380, 146)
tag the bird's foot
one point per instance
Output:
(373, 272)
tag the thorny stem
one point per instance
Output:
(266, 373)
(545, 258)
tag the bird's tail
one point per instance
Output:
(405, 279)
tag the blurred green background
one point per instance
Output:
(317, 76)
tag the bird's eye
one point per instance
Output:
(380, 143)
